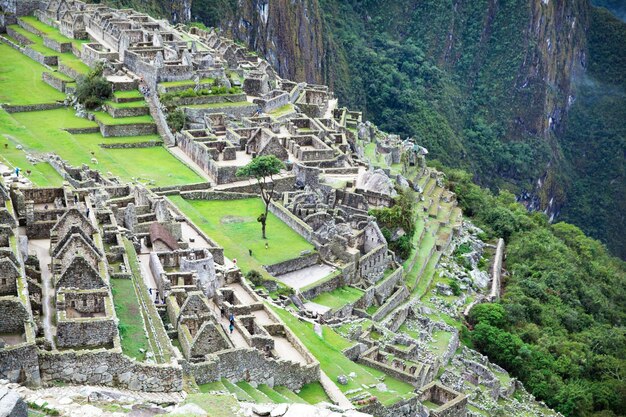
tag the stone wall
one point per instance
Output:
(14, 108)
(394, 301)
(252, 365)
(292, 221)
(110, 368)
(384, 289)
(50, 60)
(244, 110)
(57, 46)
(20, 364)
(53, 81)
(404, 408)
(134, 129)
(295, 264)
(69, 71)
(86, 332)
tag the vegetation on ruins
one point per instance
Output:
(171, 98)
(93, 89)
(263, 168)
(559, 326)
(397, 223)
(176, 120)
(254, 277)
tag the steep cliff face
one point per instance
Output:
(288, 33)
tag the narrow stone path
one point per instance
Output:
(42, 249)
(334, 392)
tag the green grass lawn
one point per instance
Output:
(20, 79)
(339, 297)
(41, 131)
(335, 363)
(132, 333)
(126, 105)
(128, 94)
(233, 225)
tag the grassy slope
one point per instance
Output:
(232, 224)
(127, 309)
(20, 79)
(334, 363)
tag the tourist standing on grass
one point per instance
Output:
(17, 172)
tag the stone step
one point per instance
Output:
(257, 396)
(274, 395)
(234, 389)
(289, 395)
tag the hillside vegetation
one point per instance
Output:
(559, 326)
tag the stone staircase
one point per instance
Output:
(262, 394)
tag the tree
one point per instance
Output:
(93, 89)
(262, 168)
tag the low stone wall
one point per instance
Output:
(53, 81)
(390, 370)
(50, 60)
(127, 111)
(70, 72)
(10, 108)
(252, 365)
(385, 287)
(135, 129)
(57, 46)
(210, 99)
(110, 368)
(295, 264)
(82, 130)
(214, 195)
(131, 145)
(292, 221)
(23, 40)
(327, 284)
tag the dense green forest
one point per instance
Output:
(451, 74)
(559, 326)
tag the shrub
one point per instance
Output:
(456, 288)
(254, 277)
(92, 90)
(176, 120)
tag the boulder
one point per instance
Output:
(11, 404)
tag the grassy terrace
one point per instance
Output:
(106, 119)
(339, 297)
(132, 333)
(333, 362)
(66, 58)
(51, 32)
(42, 132)
(126, 105)
(233, 225)
(128, 94)
(20, 79)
